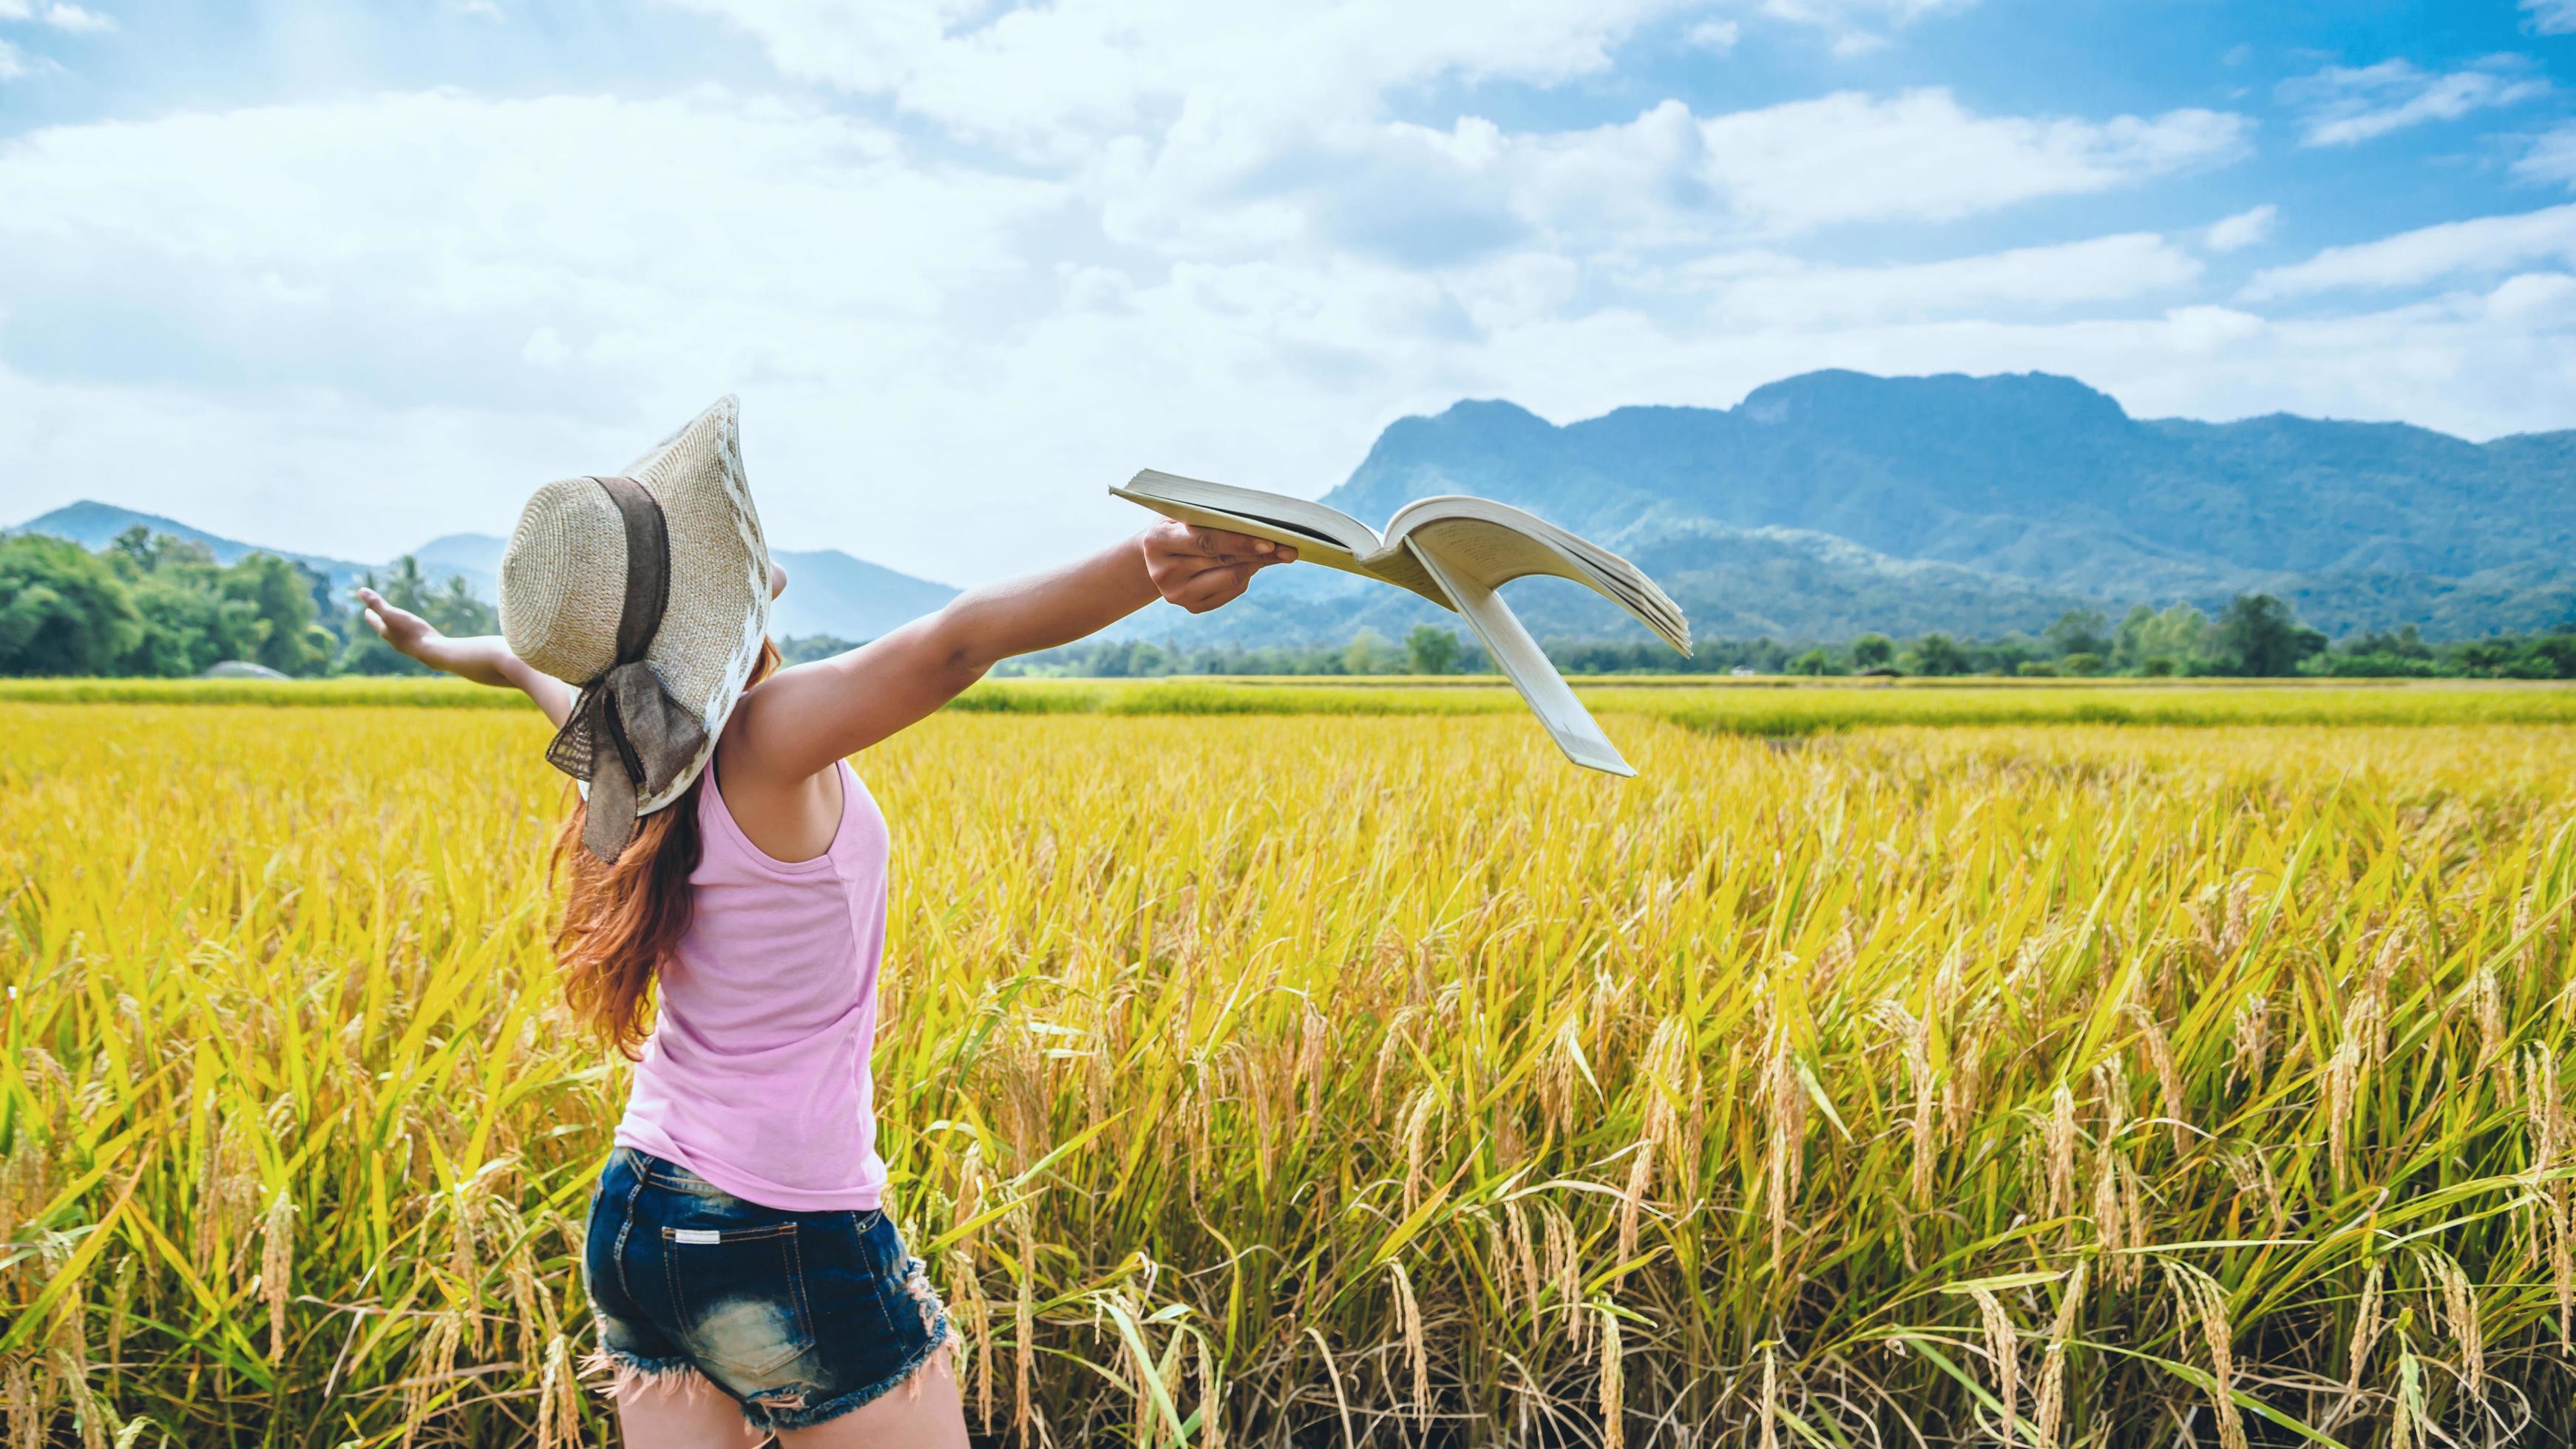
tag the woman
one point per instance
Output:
(741, 1259)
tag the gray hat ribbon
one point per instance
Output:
(626, 735)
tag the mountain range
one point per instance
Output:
(1835, 503)
(832, 592)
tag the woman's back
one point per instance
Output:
(756, 1077)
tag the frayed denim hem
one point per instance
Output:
(631, 1374)
(762, 1416)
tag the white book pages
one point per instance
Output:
(1526, 666)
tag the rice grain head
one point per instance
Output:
(2199, 1303)
(2052, 1370)
(2003, 1346)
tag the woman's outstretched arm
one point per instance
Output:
(799, 722)
(485, 659)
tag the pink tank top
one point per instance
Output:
(756, 1076)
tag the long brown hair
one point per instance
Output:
(621, 921)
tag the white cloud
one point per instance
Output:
(13, 62)
(1922, 155)
(2552, 156)
(2551, 17)
(2244, 229)
(64, 16)
(1719, 35)
(1426, 197)
(2345, 105)
(229, 316)
(2486, 245)
(1858, 27)
(1054, 78)
(1769, 290)
(61, 14)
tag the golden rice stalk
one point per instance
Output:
(2343, 1086)
(1024, 1324)
(1390, 1049)
(1524, 1256)
(1558, 1075)
(1417, 1353)
(277, 1266)
(2052, 1369)
(558, 1400)
(2058, 1143)
(2252, 1042)
(1914, 1039)
(1211, 1399)
(1673, 1098)
(26, 1417)
(2546, 1129)
(2412, 1425)
(2003, 1345)
(1564, 1267)
(2111, 1085)
(1770, 1396)
(1314, 1043)
(2199, 1303)
(120, 1298)
(974, 1317)
(2113, 1204)
(2365, 1327)
(95, 1417)
(2544, 1113)
(1417, 1144)
(2495, 1050)
(433, 1365)
(2456, 1309)
(1632, 1201)
(1786, 1160)
(2168, 1080)
(1614, 1418)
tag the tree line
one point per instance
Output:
(152, 604)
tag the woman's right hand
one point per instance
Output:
(408, 633)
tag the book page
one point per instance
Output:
(1320, 535)
(1525, 664)
(1496, 543)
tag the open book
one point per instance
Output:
(1456, 552)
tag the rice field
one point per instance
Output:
(1308, 1078)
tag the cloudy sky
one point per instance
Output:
(340, 277)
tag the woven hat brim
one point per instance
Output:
(718, 613)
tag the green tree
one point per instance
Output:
(2080, 631)
(280, 598)
(1939, 654)
(1813, 662)
(63, 610)
(1430, 649)
(1870, 651)
(2261, 636)
(2178, 637)
(1366, 651)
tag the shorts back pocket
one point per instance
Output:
(739, 1294)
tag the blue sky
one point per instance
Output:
(341, 277)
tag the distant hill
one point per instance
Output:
(1836, 502)
(95, 525)
(830, 592)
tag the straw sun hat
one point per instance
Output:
(649, 591)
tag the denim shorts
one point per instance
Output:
(801, 1317)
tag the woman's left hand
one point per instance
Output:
(1203, 568)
